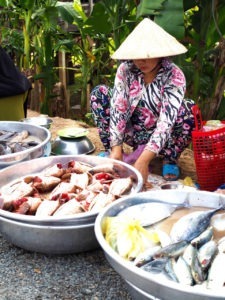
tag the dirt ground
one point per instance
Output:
(186, 161)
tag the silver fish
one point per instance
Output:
(146, 256)
(169, 269)
(183, 272)
(197, 271)
(189, 253)
(191, 225)
(206, 254)
(155, 266)
(216, 274)
(172, 250)
(151, 212)
(203, 238)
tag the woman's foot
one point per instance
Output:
(171, 171)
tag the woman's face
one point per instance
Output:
(146, 65)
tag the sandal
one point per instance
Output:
(170, 172)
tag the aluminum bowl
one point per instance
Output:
(75, 146)
(35, 166)
(146, 285)
(42, 149)
(42, 121)
(49, 239)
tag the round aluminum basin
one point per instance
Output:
(42, 149)
(147, 285)
(69, 146)
(49, 239)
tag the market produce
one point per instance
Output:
(61, 190)
(190, 251)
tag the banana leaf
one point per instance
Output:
(168, 14)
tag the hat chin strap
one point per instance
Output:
(156, 66)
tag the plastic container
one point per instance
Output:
(209, 154)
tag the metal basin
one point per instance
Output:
(42, 120)
(49, 239)
(42, 149)
(35, 166)
(72, 146)
(55, 235)
(145, 285)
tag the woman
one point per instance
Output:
(146, 108)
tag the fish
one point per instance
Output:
(146, 256)
(71, 207)
(55, 170)
(191, 225)
(183, 272)
(61, 188)
(155, 266)
(197, 270)
(33, 202)
(100, 201)
(172, 250)
(206, 254)
(120, 186)
(45, 183)
(203, 238)
(47, 208)
(169, 269)
(216, 274)
(106, 168)
(189, 253)
(80, 180)
(150, 212)
(15, 191)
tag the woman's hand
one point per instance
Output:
(142, 163)
(116, 153)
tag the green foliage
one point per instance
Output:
(168, 14)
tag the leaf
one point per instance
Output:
(66, 11)
(98, 22)
(168, 14)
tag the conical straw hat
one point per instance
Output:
(148, 40)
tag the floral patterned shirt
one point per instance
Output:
(146, 112)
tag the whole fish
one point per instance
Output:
(216, 274)
(172, 250)
(146, 256)
(206, 254)
(197, 270)
(191, 225)
(151, 212)
(183, 272)
(189, 253)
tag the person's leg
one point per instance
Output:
(180, 139)
(100, 108)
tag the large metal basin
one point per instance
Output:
(54, 235)
(37, 165)
(144, 285)
(42, 149)
(49, 239)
